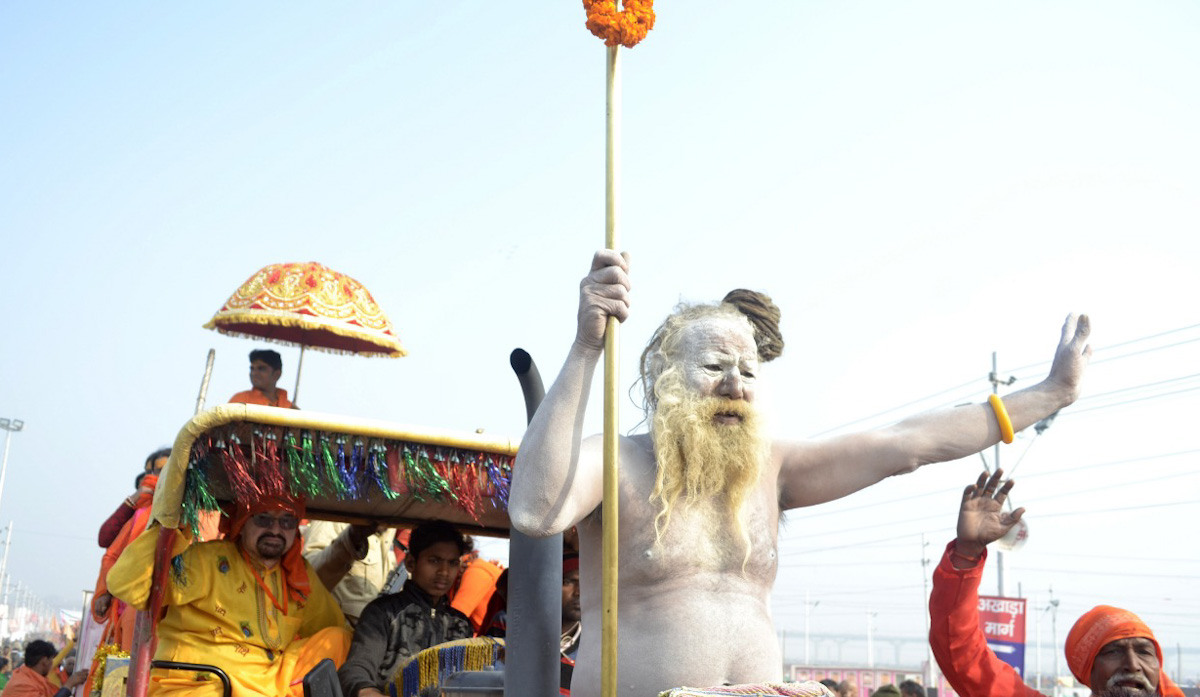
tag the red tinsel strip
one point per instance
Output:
(269, 466)
(394, 477)
(237, 471)
(458, 476)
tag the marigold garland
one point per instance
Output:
(627, 27)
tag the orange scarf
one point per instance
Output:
(145, 498)
(1103, 625)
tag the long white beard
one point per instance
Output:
(703, 462)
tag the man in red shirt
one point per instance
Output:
(265, 368)
(1109, 650)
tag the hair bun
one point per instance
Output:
(764, 315)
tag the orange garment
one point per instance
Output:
(120, 618)
(27, 682)
(256, 397)
(475, 590)
(1103, 625)
(968, 663)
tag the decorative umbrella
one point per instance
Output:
(310, 306)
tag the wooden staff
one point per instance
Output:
(608, 626)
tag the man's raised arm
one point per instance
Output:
(820, 471)
(558, 478)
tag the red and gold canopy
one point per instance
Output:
(308, 305)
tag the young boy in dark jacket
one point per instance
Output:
(394, 628)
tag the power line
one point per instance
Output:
(1077, 412)
(810, 514)
(1143, 386)
(1040, 364)
(1106, 511)
(1107, 572)
(899, 407)
(1119, 345)
(895, 523)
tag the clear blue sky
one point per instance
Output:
(917, 184)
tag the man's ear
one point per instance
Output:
(410, 562)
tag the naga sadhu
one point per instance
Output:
(701, 494)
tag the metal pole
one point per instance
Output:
(870, 639)
(299, 365)
(995, 378)
(807, 612)
(928, 672)
(212, 356)
(1054, 640)
(4, 561)
(1038, 630)
(9, 427)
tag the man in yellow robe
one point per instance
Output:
(249, 604)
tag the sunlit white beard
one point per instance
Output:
(1125, 692)
(702, 462)
(1111, 689)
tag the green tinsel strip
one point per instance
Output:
(197, 488)
(303, 477)
(412, 480)
(424, 478)
(333, 478)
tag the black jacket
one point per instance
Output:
(392, 629)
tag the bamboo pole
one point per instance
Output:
(608, 627)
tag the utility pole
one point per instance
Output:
(11, 426)
(1054, 639)
(870, 638)
(4, 561)
(808, 606)
(928, 672)
(1038, 631)
(994, 378)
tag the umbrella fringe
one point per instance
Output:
(310, 347)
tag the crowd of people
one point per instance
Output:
(267, 603)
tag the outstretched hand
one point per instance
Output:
(1072, 355)
(981, 517)
(77, 678)
(603, 293)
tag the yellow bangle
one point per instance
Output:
(1006, 429)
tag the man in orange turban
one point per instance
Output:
(1109, 649)
(249, 604)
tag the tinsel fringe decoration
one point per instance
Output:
(316, 464)
(431, 666)
(197, 490)
(100, 663)
(377, 469)
(238, 470)
(303, 477)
